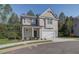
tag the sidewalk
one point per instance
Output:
(38, 41)
(65, 39)
(26, 44)
(21, 43)
(13, 46)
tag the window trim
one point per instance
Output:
(49, 21)
(33, 21)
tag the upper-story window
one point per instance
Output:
(33, 21)
(49, 21)
(24, 20)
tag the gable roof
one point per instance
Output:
(48, 13)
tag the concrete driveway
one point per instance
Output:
(70, 47)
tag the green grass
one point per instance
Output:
(6, 41)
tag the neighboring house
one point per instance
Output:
(44, 26)
(76, 26)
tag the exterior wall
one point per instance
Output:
(50, 33)
(26, 21)
(76, 27)
(26, 33)
(46, 31)
(41, 22)
(48, 25)
(55, 27)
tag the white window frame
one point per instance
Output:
(33, 21)
(49, 21)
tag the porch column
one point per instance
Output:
(32, 32)
(22, 33)
(40, 33)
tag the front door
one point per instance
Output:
(35, 33)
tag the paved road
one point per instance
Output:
(50, 48)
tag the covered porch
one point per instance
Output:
(30, 32)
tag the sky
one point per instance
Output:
(68, 9)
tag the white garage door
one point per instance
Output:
(48, 34)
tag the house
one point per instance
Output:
(44, 26)
(76, 26)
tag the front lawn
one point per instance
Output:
(6, 41)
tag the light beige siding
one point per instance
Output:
(41, 22)
(26, 21)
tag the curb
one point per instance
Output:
(19, 47)
(22, 43)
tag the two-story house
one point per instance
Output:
(76, 26)
(44, 26)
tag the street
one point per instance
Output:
(70, 47)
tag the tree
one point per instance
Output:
(10, 26)
(3, 29)
(13, 19)
(61, 23)
(3, 19)
(30, 13)
(1, 7)
(63, 31)
(12, 35)
(5, 12)
(7, 9)
(62, 18)
(70, 25)
(67, 27)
